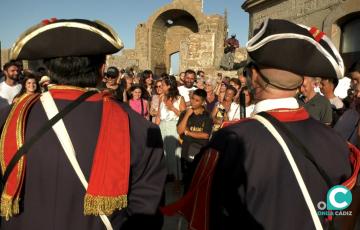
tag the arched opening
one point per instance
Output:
(168, 31)
(174, 68)
(350, 45)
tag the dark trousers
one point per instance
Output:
(187, 169)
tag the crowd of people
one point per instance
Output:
(165, 100)
(138, 122)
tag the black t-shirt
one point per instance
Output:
(196, 123)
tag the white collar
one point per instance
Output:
(270, 104)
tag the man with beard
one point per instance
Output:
(188, 87)
(10, 87)
(101, 166)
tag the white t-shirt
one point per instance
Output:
(249, 110)
(234, 111)
(168, 115)
(185, 92)
(337, 102)
(8, 93)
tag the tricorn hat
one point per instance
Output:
(299, 49)
(60, 38)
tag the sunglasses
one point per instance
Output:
(158, 86)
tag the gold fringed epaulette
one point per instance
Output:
(12, 138)
(9, 206)
(96, 205)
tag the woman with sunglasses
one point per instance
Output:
(155, 99)
(111, 78)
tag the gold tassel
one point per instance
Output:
(9, 206)
(96, 205)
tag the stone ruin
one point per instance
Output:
(179, 27)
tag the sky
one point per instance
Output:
(123, 16)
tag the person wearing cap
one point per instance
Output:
(259, 174)
(101, 166)
(113, 84)
(111, 77)
(109, 82)
(44, 83)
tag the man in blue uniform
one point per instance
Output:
(256, 182)
(101, 166)
(272, 169)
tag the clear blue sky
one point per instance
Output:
(123, 16)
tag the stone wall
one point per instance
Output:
(240, 55)
(128, 58)
(198, 38)
(198, 52)
(5, 54)
(158, 47)
(141, 45)
(217, 25)
(308, 12)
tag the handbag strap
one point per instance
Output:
(298, 144)
(32, 140)
(295, 169)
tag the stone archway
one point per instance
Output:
(180, 26)
(168, 30)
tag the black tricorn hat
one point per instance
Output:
(295, 48)
(61, 38)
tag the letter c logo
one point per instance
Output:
(338, 198)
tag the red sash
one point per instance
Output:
(12, 138)
(109, 177)
(194, 206)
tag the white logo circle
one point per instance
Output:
(321, 205)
